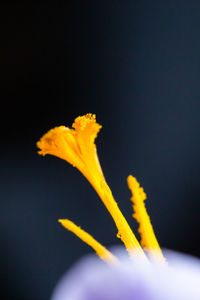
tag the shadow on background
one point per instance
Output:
(137, 66)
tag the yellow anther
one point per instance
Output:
(101, 251)
(148, 238)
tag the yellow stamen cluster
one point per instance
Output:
(77, 147)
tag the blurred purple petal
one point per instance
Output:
(92, 279)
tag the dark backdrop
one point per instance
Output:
(136, 64)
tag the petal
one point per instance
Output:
(91, 279)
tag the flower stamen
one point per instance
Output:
(148, 238)
(101, 251)
(77, 147)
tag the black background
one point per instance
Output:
(136, 64)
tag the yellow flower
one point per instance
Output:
(77, 147)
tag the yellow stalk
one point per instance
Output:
(77, 147)
(101, 251)
(148, 238)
